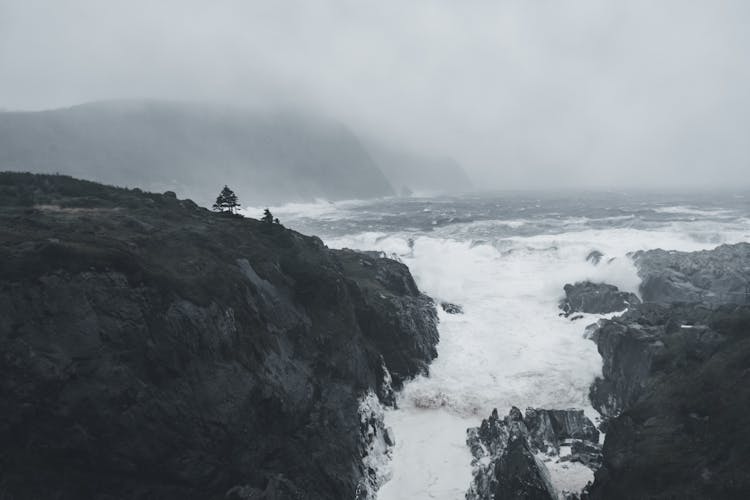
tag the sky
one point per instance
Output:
(523, 93)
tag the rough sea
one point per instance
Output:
(504, 258)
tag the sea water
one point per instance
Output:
(505, 259)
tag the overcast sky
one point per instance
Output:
(528, 93)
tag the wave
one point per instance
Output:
(319, 209)
(686, 210)
(509, 347)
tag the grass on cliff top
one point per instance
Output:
(21, 189)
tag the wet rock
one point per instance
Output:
(595, 256)
(595, 298)
(451, 308)
(549, 428)
(389, 438)
(627, 351)
(520, 476)
(674, 384)
(585, 452)
(718, 276)
(503, 451)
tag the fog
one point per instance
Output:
(525, 94)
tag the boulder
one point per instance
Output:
(718, 276)
(451, 308)
(595, 298)
(595, 256)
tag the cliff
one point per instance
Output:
(152, 349)
(675, 389)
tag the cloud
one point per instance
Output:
(532, 93)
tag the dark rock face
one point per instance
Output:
(595, 256)
(679, 426)
(505, 466)
(151, 349)
(451, 308)
(718, 276)
(595, 298)
(675, 389)
(549, 428)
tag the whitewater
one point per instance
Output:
(505, 259)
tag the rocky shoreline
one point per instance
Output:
(153, 349)
(674, 393)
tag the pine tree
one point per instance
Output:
(267, 217)
(226, 201)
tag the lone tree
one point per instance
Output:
(226, 201)
(267, 217)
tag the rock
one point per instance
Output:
(520, 476)
(548, 428)
(595, 256)
(627, 352)
(675, 384)
(152, 350)
(585, 452)
(276, 488)
(595, 298)
(686, 427)
(503, 451)
(389, 439)
(451, 308)
(650, 337)
(718, 276)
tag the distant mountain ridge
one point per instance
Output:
(194, 149)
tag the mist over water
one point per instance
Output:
(505, 259)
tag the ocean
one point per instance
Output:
(504, 258)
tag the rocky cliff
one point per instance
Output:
(152, 349)
(675, 390)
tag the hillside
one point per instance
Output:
(194, 149)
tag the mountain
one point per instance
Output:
(151, 348)
(422, 174)
(194, 149)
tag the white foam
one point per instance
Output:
(681, 209)
(378, 454)
(510, 348)
(566, 476)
